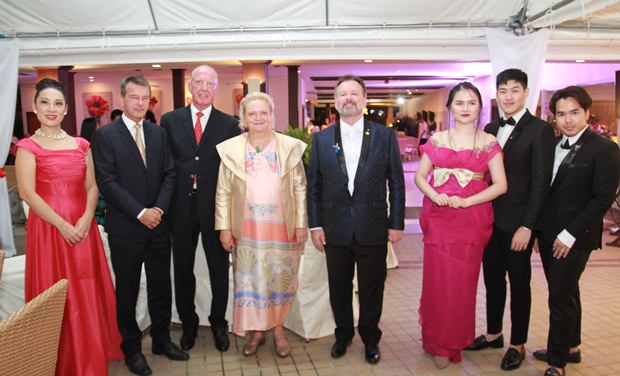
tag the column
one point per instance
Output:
(293, 95)
(178, 88)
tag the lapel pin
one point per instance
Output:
(367, 132)
(336, 148)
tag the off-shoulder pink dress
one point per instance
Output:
(454, 241)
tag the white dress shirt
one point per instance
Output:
(503, 134)
(130, 126)
(565, 237)
(205, 116)
(352, 136)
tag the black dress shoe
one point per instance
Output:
(481, 343)
(512, 359)
(220, 335)
(552, 371)
(340, 348)
(170, 350)
(572, 357)
(372, 354)
(137, 365)
(188, 339)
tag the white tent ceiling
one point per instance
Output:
(72, 32)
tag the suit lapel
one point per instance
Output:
(340, 150)
(568, 160)
(493, 128)
(525, 119)
(188, 127)
(210, 128)
(130, 142)
(364, 152)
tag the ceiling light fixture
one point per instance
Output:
(368, 61)
(580, 61)
(156, 65)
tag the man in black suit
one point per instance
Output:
(135, 174)
(586, 172)
(193, 132)
(527, 142)
(348, 212)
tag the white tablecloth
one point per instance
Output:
(310, 316)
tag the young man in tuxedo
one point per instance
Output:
(135, 174)
(351, 165)
(586, 172)
(193, 132)
(527, 142)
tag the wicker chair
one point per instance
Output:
(29, 337)
(2, 254)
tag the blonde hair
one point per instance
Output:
(256, 96)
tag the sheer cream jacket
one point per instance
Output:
(230, 194)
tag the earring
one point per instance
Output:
(35, 112)
(65, 113)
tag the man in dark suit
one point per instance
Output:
(348, 212)
(527, 142)
(586, 172)
(135, 174)
(193, 132)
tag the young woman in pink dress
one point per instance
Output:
(456, 220)
(260, 205)
(56, 179)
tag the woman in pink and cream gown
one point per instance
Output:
(456, 220)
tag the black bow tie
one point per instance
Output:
(503, 122)
(565, 145)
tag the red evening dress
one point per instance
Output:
(89, 336)
(454, 241)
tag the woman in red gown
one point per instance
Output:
(56, 179)
(456, 220)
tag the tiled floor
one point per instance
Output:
(401, 344)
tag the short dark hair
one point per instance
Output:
(116, 112)
(351, 77)
(465, 85)
(48, 83)
(511, 74)
(576, 92)
(136, 80)
(89, 125)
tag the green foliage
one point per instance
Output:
(301, 134)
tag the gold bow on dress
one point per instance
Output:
(462, 175)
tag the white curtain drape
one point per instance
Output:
(9, 52)
(523, 52)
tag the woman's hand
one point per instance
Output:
(441, 199)
(69, 232)
(458, 202)
(83, 225)
(301, 234)
(226, 239)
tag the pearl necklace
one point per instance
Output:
(58, 136)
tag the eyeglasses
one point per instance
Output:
(200, 83)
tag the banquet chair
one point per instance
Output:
(29, 337)
(2, 254)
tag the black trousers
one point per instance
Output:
(499, 259)
(564, 300)
(184, 251)
(371, 274)
(128, 255)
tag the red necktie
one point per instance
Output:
(198, 127)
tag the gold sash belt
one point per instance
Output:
(462, 175)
